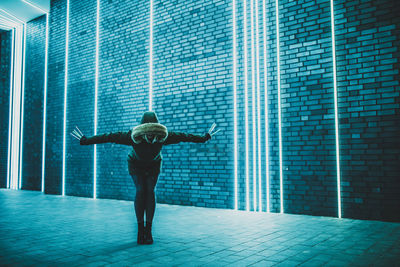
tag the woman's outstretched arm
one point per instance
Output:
(123, 138)
(177, 137)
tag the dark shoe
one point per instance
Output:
(148, 238)
(140, 234)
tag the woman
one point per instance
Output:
(144, 161)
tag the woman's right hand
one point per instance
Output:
(77, 134)
(212, 128)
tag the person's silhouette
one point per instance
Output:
(144, 161)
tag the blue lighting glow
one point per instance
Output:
(279, 105)
(253, 111)
(45, 101)
(336, 113)
(266, 104)
(246, 112)
(96, 88)
(258, 110)
(21, 118)
(151, 58)
(10, 111)
(235, 156)
(15, 108)
(65, 97)
(35, 6)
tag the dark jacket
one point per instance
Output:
(144, 157)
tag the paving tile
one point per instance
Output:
(73, 231)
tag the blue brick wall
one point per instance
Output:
(5, 71)
(193, 86)
(307, 99)
(368, 42)
(123, 89)
(33, 104)
(55, 98)
(80, 97)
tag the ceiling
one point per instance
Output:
(19, 11)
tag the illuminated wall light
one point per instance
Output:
(279, 105)
(16, 108)
(21, 118)
(336, 113)
(151, 58)
(65, 97)
(266, 104)
(96, 88)
(246, 112)
(235, 156)
(12, 16)
(253, 89)
(258, 110)
(45, 101)
(10, 110)
(35, 6)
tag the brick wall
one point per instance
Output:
(80, 97)
(55, 98)
(193, 86)
(123, 88)
(5, 68)
(33, 104)
(368, 49)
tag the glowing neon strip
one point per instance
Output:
(151, 58)
(65, 98)
(45, 101)
(336, 113)
(266, 103)
(35, 6)
(258, 110)
(279, 105)
(253, 107)
(5, 27)
(96, 88)
(14, 99)
(235, 156)
(16, 109)
(22, 109)
(12, 16)
(246, 112)
(10, 111)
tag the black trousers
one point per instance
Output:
(145, 199)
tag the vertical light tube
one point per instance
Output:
(258, 109)
(279, 105)
(10, 121)
(65, 97)
(96, 88)
(45, 100)
(266, 104)
(235, 156)
(21, 122)
(336, 113)
(246, 112)
(151, 58)
(16, 109)
(253, 109)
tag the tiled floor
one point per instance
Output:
(38, 229)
